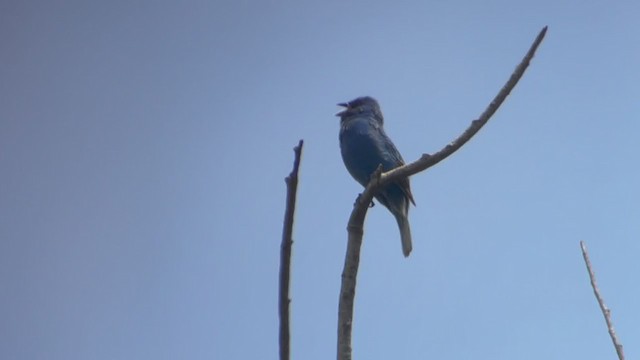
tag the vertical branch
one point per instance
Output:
(285, 253)
(603, 307)
(350, 270)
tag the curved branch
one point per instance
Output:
(285, 253)
(378, 179)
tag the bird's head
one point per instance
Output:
(364, 105)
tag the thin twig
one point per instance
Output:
(285, 253)
(356, 220)
(606, 312)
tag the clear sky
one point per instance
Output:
(143, 147)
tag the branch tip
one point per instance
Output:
(606, 312)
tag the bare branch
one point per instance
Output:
(605, 310)
(356, 220)
(427, 161)
(285, 253)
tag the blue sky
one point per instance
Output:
(143, 147)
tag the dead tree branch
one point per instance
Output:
(285, 253)
(606, 312)
(356, 220)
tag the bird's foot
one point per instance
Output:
(358, 199)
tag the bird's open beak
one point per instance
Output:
(344, 105)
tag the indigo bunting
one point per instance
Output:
(364, 146)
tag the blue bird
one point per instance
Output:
(364, 146)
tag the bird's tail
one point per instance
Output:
(405, 233)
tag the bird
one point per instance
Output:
(364, 146)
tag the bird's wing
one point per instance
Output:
(394, 157)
